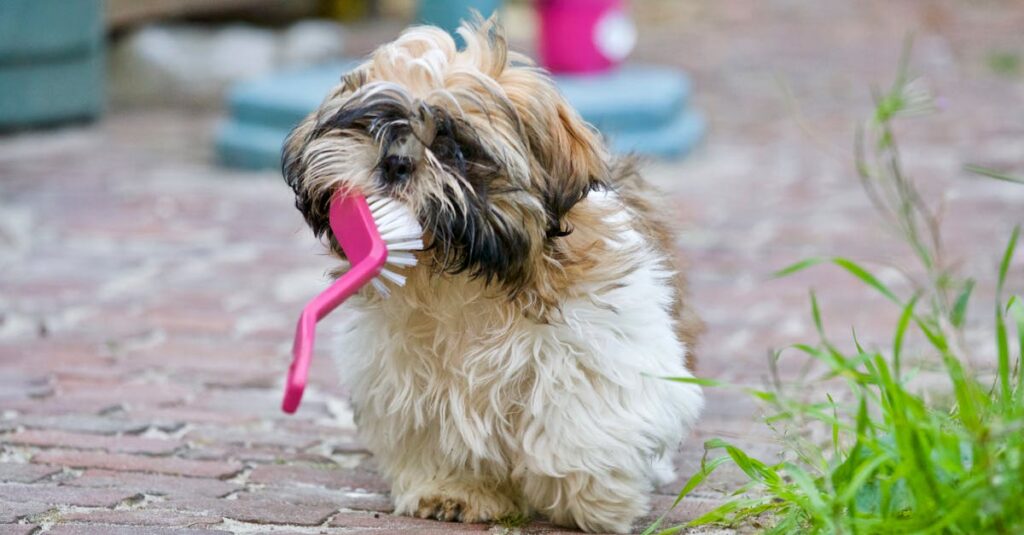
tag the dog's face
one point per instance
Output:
(477, 143)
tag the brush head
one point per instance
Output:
(403, 236)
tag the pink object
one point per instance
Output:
(584, 36)
(353, 226)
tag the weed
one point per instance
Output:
(513, 521)
(893, 460)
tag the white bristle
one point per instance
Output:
(410, 245)
(401, 233)
(401, 259)
(393, 277)
(381, 288)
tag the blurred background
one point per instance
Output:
(152, 263)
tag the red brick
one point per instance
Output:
(341, 438)
(119, 444)
(141, 517)
(13, 511)
(89, 529)
(276, 439)
(181, 352)
(136, 394)
(26, 386)
(139, 463)
(103, 425)
(323, 476)
(188, 415)
(189, 321)
(57, 406)
(155, 484)
(387, 521)
(265, 403)
(442, 528)
(61, 495)
(16, 529)
(259, 511)
(240, 453)
(280, 532)
(356, 501)
(24, 473)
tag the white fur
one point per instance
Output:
(464, 399)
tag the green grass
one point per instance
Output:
(890, 457)
(513, 522)
(1004, 63)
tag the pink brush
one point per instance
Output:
(371, 234)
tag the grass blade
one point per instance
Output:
(992, 173)
(959, 312)
(1004, 266)
(1002, 337)
(865, 276)
(799, 266)
(810, 496)
(1003, 348)
(1017, 310)
(701, 381)
(901, 329)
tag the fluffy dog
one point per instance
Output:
(517, 371)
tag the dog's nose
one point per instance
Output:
(395, 169)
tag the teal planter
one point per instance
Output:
(50, 92)
(448, 14)
(35, 30)
(51, 61)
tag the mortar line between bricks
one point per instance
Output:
(226, 477)
(38, 448)
(241, 527)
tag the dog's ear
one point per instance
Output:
(575, 160)
(312, 202)
(569, 158)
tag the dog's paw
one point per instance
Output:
(467, 505)
(443, 508)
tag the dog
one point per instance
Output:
(520, 369)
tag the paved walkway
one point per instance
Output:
(147, 297)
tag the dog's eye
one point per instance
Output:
(449, 152)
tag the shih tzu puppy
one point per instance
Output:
(518, 371)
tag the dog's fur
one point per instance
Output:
(518, 369)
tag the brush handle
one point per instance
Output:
(353, 226)
(305, 332)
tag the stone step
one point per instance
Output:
(673, 140)
(632, 98)
(639, 108)
(282, 100)
(253, 146)
(249, 146)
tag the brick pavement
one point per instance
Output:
(147, 297)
